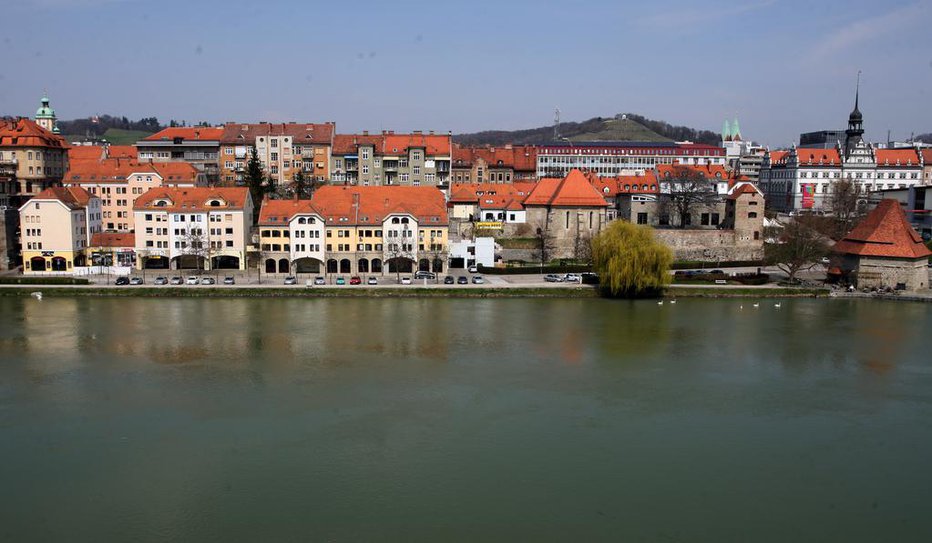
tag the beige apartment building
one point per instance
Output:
(57, 225)
(283, 149)
(193, 228)
(38, 157)
(119, 182)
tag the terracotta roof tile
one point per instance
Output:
(73, 197)
(897, 157)
(113, 239)
(336, 204)
(817, 156)
(280, 212)
(25, 132)
(574, 190)
(199, 133)
(517, 157)
(884, 232)
(117, 170)
(186, 199)
(300, 132)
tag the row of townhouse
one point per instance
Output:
(57, 227)
(356, 230)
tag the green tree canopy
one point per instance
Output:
(630, 261)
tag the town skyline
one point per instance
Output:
(415, 75)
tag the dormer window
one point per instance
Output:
(215, 203)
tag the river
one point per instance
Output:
(464, 420)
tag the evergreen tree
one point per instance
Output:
(630, 261)
(257, 183)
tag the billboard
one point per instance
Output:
(808, 190)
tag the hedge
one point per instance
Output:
(43, 281)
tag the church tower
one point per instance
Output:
(45, 116)
(854, 135)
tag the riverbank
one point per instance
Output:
(559, 291)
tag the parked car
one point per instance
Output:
(176, 280)
(229, 281)
(207, 281)
(291, 280)
(372, 281)
(160, 281)
(477, 280)
(553, 278)
(319, 280)
(136, 281)
(425, 275)
(572, 278)
(462, 280)
(448, 280)
(474, 269)
(355, 280)
(717, 272)
(192, 280)
(341, 281)
(406, 280)
(121, 281)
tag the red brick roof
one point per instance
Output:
(517, 157)
(574, 190)
(471, 192)
(626, 184)
(336, 204)
(823, 157)
(122, 151)
(884, 232)
(927, 156)
(186, 199)
(26, 133)
(897, 157)
(244, 133)
(744, 187)
(280, 212)
(389, 143)
(197, 133)
(710, 171)
(113, 239)
(117, 170)
(73, 197)
(778, 156)
(85, 152)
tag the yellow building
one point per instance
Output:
(356, 231)
(57, 226)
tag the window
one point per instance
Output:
(752, 215)
(642, 218)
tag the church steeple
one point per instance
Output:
(855, 132)
(45, 115)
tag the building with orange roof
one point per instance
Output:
(487, 164)
(112, 249)
(569, 210)
(883, 250)
(193, 227)
(802, 178)
(356, 230)
(118, 182)
(195, 145)
(489, 202)
(283, 149)
(416, 159)
(38, 157)
(56, 228)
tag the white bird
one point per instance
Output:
(660, 302)
(741, 306)
(37, 296)
(777, 306)
(756, 305)
(672, 301)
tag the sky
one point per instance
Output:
(781, 67)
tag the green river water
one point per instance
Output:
(464, 420)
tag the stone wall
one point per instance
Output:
(710, 245)
(875, 272)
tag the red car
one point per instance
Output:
(355, 280)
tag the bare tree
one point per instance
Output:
(684, 190)
(799, 247)
(848, 204)
(544, 243)
(399, 248)
(196, 245)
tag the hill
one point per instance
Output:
(116, 136)
(622, 127)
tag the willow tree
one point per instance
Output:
(630, 261)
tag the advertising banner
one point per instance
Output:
(808, 195)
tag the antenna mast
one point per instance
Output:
(556, 124)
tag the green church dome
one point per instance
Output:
(45, 112)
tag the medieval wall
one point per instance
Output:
(874, 272)
(710, 245)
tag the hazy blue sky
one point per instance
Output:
(782, 66)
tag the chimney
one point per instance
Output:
(365, 132)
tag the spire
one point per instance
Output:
(726, 131)
(736, 130)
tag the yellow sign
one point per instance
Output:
(488, 225)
